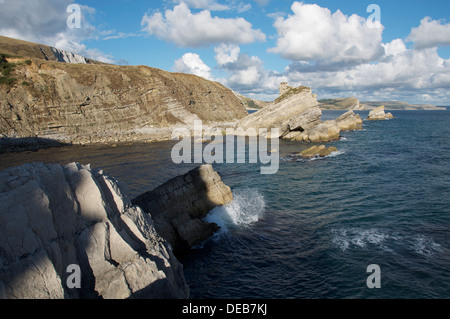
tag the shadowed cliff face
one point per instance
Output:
(85, 103)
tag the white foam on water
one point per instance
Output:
(424, 245)
(353, 237)
(246, 208)
(356, 238)
(294, 158)
(334, 154)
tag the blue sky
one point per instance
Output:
(251, 46)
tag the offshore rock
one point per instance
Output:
(178, 206)
(317, 151)
(297, 110)
(297, 115)
(349, 121)
(52, 217)
(379, 114)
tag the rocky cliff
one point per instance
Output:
(297, 115)
(89, 103)
(179, 205)
(21, 48)
(350, 103)
(296, 110)
(55, 218)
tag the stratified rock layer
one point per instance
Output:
(92, 103)
(179, 205)
(52, 217)
(349, 121)
(297, 110)
(297, 115)
(379, 114)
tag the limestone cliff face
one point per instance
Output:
(296, 113)
(52, 217)
(296, 110)
(84, 103)
(350, 103)
(40, 51)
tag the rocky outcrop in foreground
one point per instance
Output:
(55, 218)
(379, 114)
(179, 205)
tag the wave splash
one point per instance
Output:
(246, 208)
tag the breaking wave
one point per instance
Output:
(246, 208)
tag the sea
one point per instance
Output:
(371, 221)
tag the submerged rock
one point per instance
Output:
(317, 151)
(179, 205)
(53, 217)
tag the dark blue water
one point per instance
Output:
(311, 230)
(385, 199)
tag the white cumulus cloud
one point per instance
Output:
(246, 74)
(430, 33)
(226, 53)
(193, 64)
(401, 74)
(187, 29)
(313, 33)
(205, 4)
(45, 22)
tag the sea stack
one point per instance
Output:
(379, 114)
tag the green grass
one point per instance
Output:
(292, 92)
(6, 69)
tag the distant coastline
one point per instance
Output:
(352, 103)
